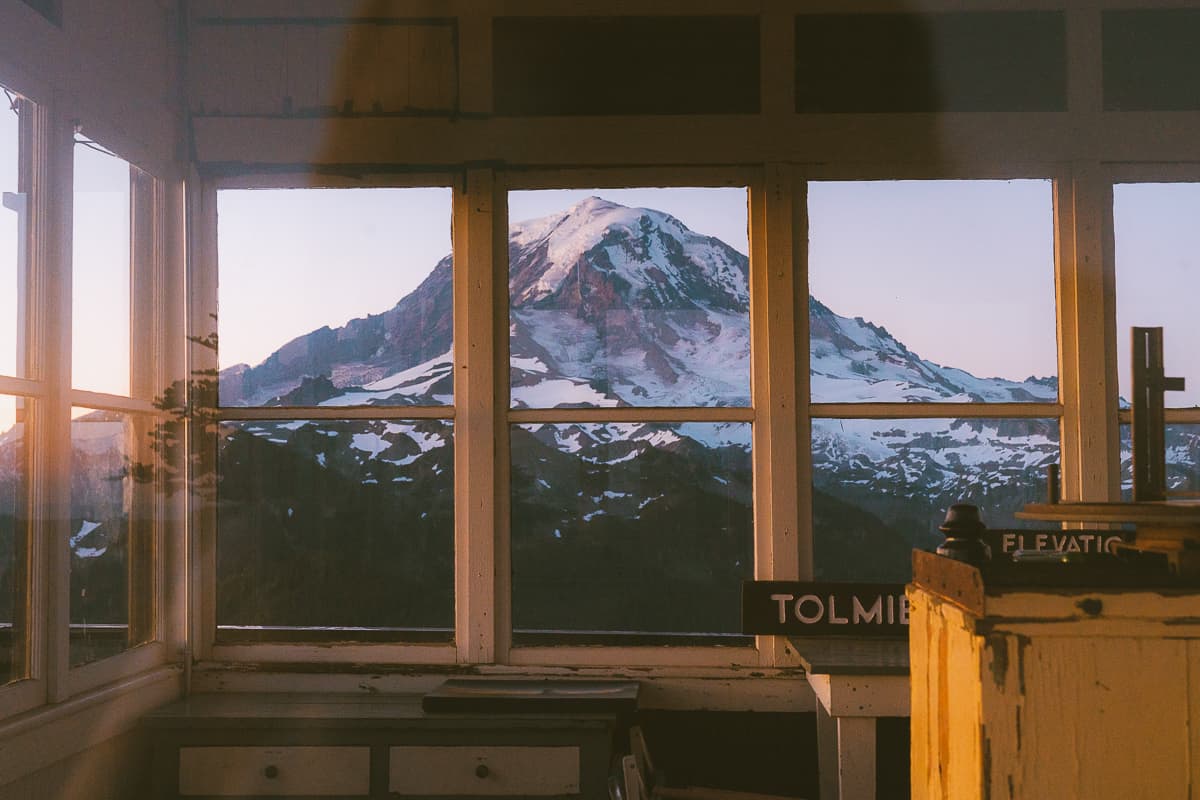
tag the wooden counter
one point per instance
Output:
(1046, 691)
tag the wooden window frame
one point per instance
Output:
(47, 142)
(1180, 172)
(481, 416)
(203, 275)
(31, 691)
(1088, 419)
(1153, 173)
(1065, 410)
(149, 369)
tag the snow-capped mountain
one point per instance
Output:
(626, 306)
(616, 306)
(856, 361)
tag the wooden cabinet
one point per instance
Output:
(350, 746)
(1046, 691)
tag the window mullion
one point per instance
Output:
(1087, 319)
(779, 552)
(52, 259)
(146, 373)
(202, 368)
(477, 208)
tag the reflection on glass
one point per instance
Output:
(1158, 278)
(928, 291)
(102, 516)
(335, 529)
(100, 270)
(1182, 457)
(619, 304)
(882, 486)
(12, 242)
(14, 542)
(630, 528)
(335, 297)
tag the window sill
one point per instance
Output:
(718, 688)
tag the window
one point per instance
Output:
(14, 372)
(13, 256)
(359, 454)
(114, 525)
(335, 436)
(1157, 271)
(931, 309)
(85, 411)
(637, 300)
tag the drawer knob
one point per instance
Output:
(482, 771)
(271, 771)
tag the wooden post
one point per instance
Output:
(1149, 420)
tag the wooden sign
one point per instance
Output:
(823, 608)
(1007, 542)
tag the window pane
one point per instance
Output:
(1158, 278)
(14, 542)
(103, 539)
(100, 270)
(1182, 456)
(926, 291)
(335, 528)
(882, 486)
(630, 528)
(335, 297)
(12, 242)
(629, 297)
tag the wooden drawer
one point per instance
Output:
(526, 771)
(274, 771)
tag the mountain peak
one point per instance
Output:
(646, 248)
(573, 231)
(591, 205)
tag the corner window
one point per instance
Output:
(630, 434)
(934, 295)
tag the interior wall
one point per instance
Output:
(1002, 85)
(110, 65)
(113, 770)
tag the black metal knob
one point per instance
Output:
(271, 771)
(482, 771)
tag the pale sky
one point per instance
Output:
(291, 261)
(1157, 231)
(961, 272)
(100, 273)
